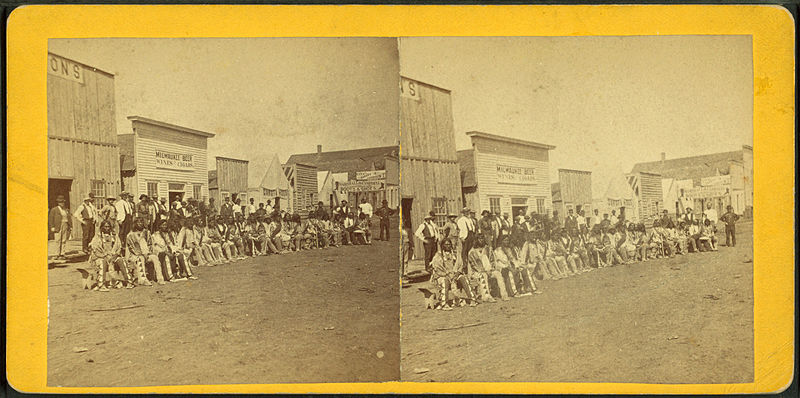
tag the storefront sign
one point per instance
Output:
(706, 192)
(65, 68)
(373, 175)
(515, 175)
(174, 160)
(361, 186)
(716, 180)
(408, 89)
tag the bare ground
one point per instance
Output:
(688, 319)
(329, 315)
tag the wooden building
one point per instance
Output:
(572, 191)
(303, 187)
(355, 174)
(164, 160)
(230, 180)
(506, 175)
(647, 195)
(429, 172)
(82, 146)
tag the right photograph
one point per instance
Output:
(577, 209)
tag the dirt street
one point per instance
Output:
(688, 319)
(328, 315)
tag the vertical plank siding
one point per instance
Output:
(82, 136)
(576, 189)
(232, 176)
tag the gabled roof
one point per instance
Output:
(693, 167)
(274, 177)
(466, 162)
(350, 160)
(619, 189)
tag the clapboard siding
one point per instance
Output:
(486, 177)
(576, 188)
(82, 136)
(487, 145)
(148, 140)
(303, 187)
(650, 197)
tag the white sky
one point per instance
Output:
(606, 103)
(260, 96)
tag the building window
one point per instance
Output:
(540, 206)
(152, 189)
(99, 192)
(284, 193)
(197, 191)
(494, 205)
(269, 192)
(440, 210)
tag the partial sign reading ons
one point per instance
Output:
(515, 175)
(174, 160)
(65, 68)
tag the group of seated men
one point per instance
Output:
(168, 251)
(508, 264)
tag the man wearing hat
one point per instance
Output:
(124, 215)
(730, 218)
(60, 225)
(466, 233)
(108, 213)
(86, 214)
(428, 234)
(487, 231)
(383, 213)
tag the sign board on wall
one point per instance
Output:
(706, 192)
(174, 160)
(408, 89)
(374, 175)
(62, 67)
(515, 175)
(361, 186)
(716, 180)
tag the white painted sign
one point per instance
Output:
(716, 180)
(373, 175)
(515, 175)
(706, 192)
(409, 89)
(174, 160)
(65, 68)
(361, 186)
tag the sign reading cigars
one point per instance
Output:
(174, 160)
(515, 175)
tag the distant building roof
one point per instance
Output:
(212, 179)
(693, 167)
(349, 160)
(466, 162)
(509, 140)
(169, 126)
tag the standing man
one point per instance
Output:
(211, 209)
(570, 223)
(711, 215)
(226, 211)
(365, 208)
(427, 233)
(251, 208)
(384, 212)
(614, 220)
(60, 224)
(143, 211)
(666, 221)
(86, 214)
(269, 209)
(108, 213)
(730, 218)
(466, 232)
(124, 215)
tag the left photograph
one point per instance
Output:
(222, 211)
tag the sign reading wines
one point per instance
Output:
(174, 160)
(515, 175)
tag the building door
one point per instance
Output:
(175, 195)
(517, 211)
(56, 187)
(405, 213)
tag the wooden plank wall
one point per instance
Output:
(304, 189)
(82, 135)
(576, 189)
(428, 166)
(651, 198)
(232, 176)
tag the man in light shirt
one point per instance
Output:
(466, 232)
(427, 233)
(711, 215)
(60, 225)
(251, 208)
(124, 216)
(86, 214)
(366, 208)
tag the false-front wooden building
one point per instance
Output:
(229, 180)
(429, 173)
(82, 148)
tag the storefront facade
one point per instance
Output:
(507, 175)
(164, 160)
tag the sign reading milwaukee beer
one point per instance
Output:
(65, 68)
(515, 175)
(361, 186)
(374, 175)
(174, 160)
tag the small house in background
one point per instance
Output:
(647, 195)
(268, 182)
(230, 180)
(572, 191)
(302, 180)
(619, 197)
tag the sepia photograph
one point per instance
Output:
(222, 211)
(577, 209)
